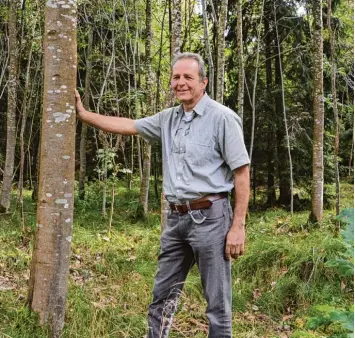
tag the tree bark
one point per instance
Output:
(240, 104)
(335, 111)
(144, 193)
(176, 27)
(51, 255)
(255, 83)
(318, 111)
(208, 51)
(11, 108)
(284, 112)
(283, 170)
(84, 127)
(25, 104)
(220, 49)
(175, 45)
(271, 193)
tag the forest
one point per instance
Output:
(81, 211)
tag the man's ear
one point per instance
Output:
(205, 82)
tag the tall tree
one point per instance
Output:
(220, 49)
(175, 42)
(240, 54)
(175, 45)
(51, 254)
(149, 92)
(11, 107)
(278, 44)
(208, 50)
(281, 136)
(269, 40)
(318, 111)
(335, 108)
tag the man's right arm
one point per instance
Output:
(111, 124)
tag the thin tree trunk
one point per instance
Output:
(271, 193)
(175, 45)
(112, 208)
(22, 141)
(144, 193)
(239, 50)
(282, 157)
(318, 109)
(284, 110)
(51, 255)
(335, 112)
(255, 82)
(220, 49)
(208, 51)
(84, 127)
(176, 27)
(11, 108)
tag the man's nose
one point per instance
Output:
(180, 81)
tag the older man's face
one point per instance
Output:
(186, 83)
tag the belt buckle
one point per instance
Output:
(175, 205)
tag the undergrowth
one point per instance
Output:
(280, 286)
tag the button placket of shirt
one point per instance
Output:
(181, 155)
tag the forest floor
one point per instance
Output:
(281, 286)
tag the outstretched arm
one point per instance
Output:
(236, 235)
(111, 124)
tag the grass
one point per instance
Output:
(275, 285)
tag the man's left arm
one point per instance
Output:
(235, 239)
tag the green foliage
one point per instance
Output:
(345, 266)
(277, 284)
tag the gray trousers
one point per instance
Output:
(184, 243)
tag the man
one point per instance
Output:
(203, 149)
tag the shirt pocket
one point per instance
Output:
(198, 154)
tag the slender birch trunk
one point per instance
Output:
(51, 254)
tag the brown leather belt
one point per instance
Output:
(204, 202)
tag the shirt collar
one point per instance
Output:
(200, 106)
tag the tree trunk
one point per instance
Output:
(318, 110)
(176, 27)
(283, 170)
(144, 193)
(284, 112)
(11, 108)
(271, 193)
(220, 49)
(240, 104)
(84, 127)
(25, 104)
(335, 111)
(175, 44)
(208, 51)
(51, 255)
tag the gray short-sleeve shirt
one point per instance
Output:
(198, 155)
